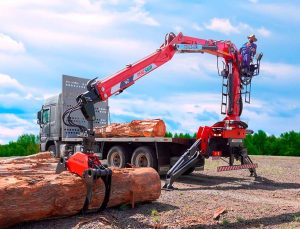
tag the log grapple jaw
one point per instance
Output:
(89, 167)
(86, 164)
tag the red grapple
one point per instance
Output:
(79, 162)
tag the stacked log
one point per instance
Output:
(30, 189)
(136, 128)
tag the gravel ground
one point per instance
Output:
(270, 201)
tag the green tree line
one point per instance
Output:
(179, 135)
(287, 144)
(25, 145)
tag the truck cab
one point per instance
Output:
(50, 125)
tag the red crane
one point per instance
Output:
(224, 138)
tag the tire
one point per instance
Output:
(118, 157)
(189, 171)
(52, 150)
(144, 156)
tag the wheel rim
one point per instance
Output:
(141, 160)
(115, 159)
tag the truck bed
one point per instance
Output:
(137, 139)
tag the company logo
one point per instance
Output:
(148, 68)
(145, 70)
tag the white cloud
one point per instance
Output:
(83, 26)
(264, 32)
(137, 13)
(13, 94)
(192, 64)
(7, 44)
(60, 39)
(281, 72)
(281, 10)
(10, 61)
(222, 25)
(24, 99)
(186, 112)
(225, 26)
(283, 111)
(177, 28)
(244, 27)
(12, 126)
(74, 16)
(197, 27)
(8, 82)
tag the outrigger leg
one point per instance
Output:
(188, 160)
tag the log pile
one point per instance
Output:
(136, 128)
(30, 189)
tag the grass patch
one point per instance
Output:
(155, 216)
(225, 222)
(154, 212)
(297, 218)
(124, 207)
(240, 220)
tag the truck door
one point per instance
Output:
(45, 124)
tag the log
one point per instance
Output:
(135, 128)
(34, 192)
(41, 163)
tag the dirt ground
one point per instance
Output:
(270, 201)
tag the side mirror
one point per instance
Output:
(39, 117)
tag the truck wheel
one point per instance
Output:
(52, 150)
(144, 156)
(117, 157)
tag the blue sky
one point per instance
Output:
(41, 40)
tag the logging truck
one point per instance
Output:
(222, 139)
(160, 153)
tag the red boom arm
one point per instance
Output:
(119, 81)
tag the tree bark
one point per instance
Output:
(30, 190)
(136, 128)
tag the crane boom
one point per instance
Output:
(224, 138)
(127, 76)
(101, 90)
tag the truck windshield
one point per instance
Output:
(45, 117)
